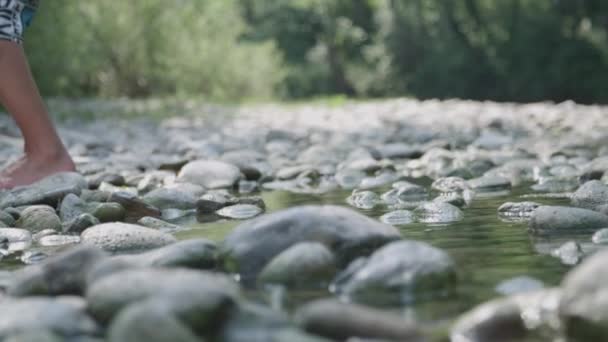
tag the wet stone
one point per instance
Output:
(401, 272)
(591, 195)
(37, 218)
(210, 174)
(110, 294)
(64, 317)
(489, 184)
(134, 207)
(398, 217)
(304, 265)
(239, 211)
(80, 223)
(570, 253)
(550, 219)
(517, 210)
(449, 184)
(14, 239)
(32, 257)
(170, 198)
(600, 237)
(363, 199)
(438, 212)
(49, 190)
(251, 245)
(528, 316)
(64, 273)
(122, 237)
(555, 184)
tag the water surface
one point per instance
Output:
(486, 249)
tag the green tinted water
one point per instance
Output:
(487, 250)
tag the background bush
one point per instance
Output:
(508, 50)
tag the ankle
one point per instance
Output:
(55, 152)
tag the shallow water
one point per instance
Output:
(487, 250)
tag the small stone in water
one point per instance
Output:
(398, 217)
(600, 237)
(363, 199)
(239, 211)
(517, 210)
(570, 253)
(33, 257)
(449, 184)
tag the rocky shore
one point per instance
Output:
(92, 256)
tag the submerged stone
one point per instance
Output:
(401, 272)
(552, 219)
(398, 217)
(570, 253)
(239, 211)
(363, 199)
(517, 210)
(304, 265)
(438, 212)
(251, 245)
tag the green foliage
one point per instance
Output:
(152, 47)
(511, 50)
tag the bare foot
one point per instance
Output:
(30, 169)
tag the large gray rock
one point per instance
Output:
(530, 317)
(164, 198)
(61, 274)
(210, 174)
(108, 295)
(584, 304)
(174, 317)
(195, 254)
(251, 245)
(591, 195)
(401, 271)
(549, 219)
(37, 218)
(49, 190)
(141, 322)
(303, 265)
(341, 321)
(63, 316)
(123, 237)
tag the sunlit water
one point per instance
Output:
(486, 249)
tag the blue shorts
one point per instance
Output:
(15, 16)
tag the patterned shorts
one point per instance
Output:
(15, 16)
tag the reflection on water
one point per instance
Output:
(487, 250)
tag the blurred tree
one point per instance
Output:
(508, 50)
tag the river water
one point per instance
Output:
(487, 250)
